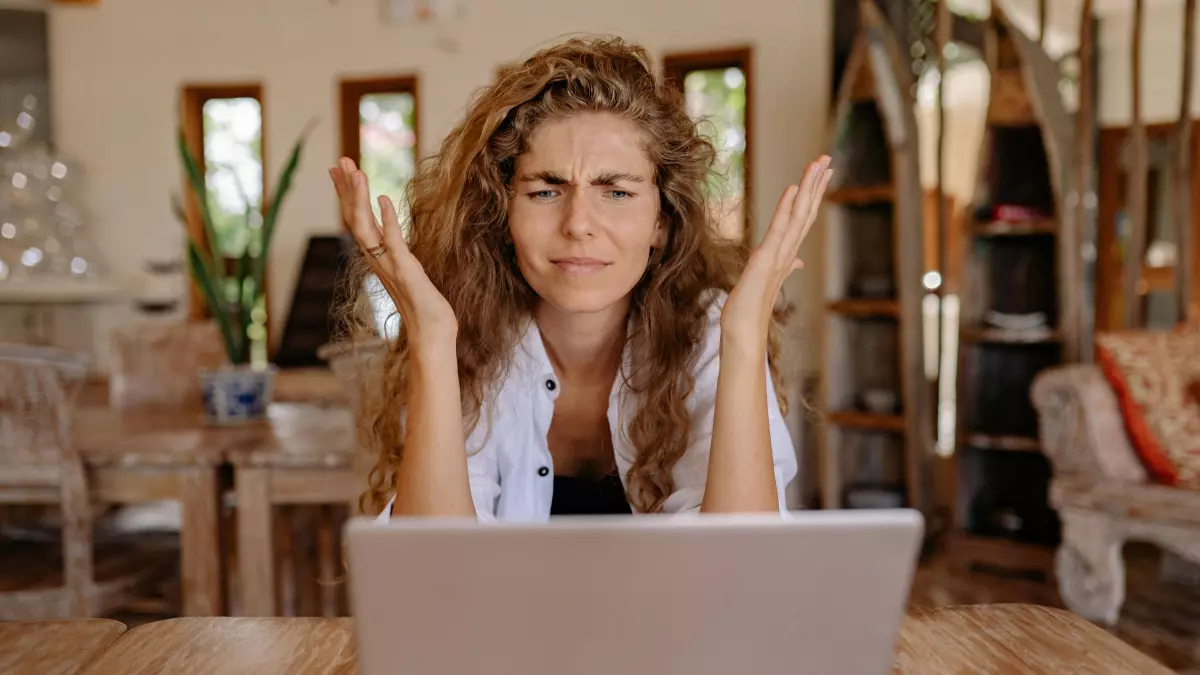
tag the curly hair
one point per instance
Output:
(458, 229)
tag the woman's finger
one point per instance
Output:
(802, 217)
(783, 211)
(804, 202)
(393, 236)
(784, 250)
(781, 221)
(365, 229)
(816, 205)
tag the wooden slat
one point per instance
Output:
(865, 308)
(987, 334)
(1004, 443)
(866, 421)
(861, 195)
(1002, 228)
(1136, 202)
(1182, 179)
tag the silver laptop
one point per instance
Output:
(821, 592)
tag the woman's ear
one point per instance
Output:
(660, 234)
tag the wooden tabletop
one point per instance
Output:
(298, 434)
(1016, 639)
(54, 647)
(994, 639)
(232, 646)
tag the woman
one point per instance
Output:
(573, 340)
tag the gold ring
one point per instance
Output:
(376, 251)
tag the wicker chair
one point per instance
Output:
(38, 466)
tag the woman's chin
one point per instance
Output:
(581, 301)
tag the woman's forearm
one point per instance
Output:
(432, 478)
(741, 470)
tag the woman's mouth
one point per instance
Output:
(576, 266)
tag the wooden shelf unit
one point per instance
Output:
(876, 426)
(1016, 267)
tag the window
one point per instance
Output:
(224, 128)
(717, 88)
(379, 132)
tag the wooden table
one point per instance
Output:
(300, 454)
(232, 646)
(994, 639)
(304, 457)
(145, 455)
(1016, 639)
(54, 647)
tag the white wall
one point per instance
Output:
(1162, 63)
(117, 70)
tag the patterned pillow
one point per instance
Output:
(1152, 374)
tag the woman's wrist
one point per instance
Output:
(748, 347)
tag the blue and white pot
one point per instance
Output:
(237, 394)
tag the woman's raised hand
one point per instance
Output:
(747, 311)
(425, 314)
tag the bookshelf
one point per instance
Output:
(876, 426)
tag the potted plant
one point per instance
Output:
(232, 287)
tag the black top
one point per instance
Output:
(581, 496)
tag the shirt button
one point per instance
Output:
(543, 472)
(550, 385)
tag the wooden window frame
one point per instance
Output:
(351, 91)
(193, 98)
(676, 66)
(1108, 267)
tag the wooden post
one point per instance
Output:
(1084, 142)
(1183, 170)
(1041, 22)
(1136, 200)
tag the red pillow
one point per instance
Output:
(1151, 374)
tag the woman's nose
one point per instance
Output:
(578, 220)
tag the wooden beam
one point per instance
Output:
(1183, 173)
(1136, 201)
(1042, 22)
(1085, 129)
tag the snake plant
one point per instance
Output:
(231, 297)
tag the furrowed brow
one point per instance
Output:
(612, 178)
(548, 177)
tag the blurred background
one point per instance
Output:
(996, 324)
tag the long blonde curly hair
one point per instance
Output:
(458, 230)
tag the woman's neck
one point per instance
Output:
(583, 347)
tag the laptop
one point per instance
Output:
(820, 592)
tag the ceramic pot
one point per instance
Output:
(237, 394)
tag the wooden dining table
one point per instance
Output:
(147, 454)
(994, 639)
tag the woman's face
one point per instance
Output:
(584, 212)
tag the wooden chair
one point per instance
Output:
(38, 465)
(156, 365)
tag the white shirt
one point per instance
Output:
(508, 455)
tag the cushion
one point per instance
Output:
(1152, 375)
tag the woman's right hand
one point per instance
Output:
(427, 317)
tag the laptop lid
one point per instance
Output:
(818, 592)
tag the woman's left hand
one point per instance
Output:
(747, 312)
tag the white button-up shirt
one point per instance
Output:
(508, 455)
